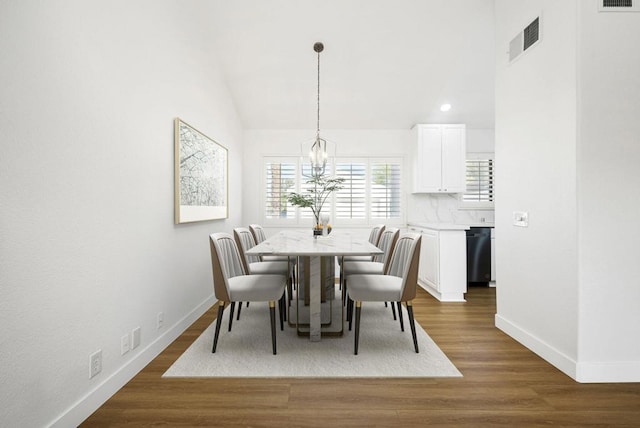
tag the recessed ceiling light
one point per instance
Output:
(445, 107)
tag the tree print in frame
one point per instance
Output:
(201, 176)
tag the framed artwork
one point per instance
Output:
(201, 176)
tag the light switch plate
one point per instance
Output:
(521, 218)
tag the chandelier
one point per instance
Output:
(319, 150)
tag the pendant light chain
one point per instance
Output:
(318, 123)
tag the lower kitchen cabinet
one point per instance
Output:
(443, 261)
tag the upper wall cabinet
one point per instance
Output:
(439, 158)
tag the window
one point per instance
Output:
(479, 181)
(372, 191)
(385, 190)
(280, 180)
(351, 200)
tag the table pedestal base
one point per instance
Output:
(317, 284)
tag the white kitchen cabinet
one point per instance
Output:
(443, 261)
(439, 158)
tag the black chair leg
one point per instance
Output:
(239, 309)
(393, 310)
(344, 290)
(272, 314)
(215, 338)
(357, 333)
(400, 315)
(413, 325)
(281, 312)
(233, 306)
(349, 311)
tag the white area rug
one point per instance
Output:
(384, 350)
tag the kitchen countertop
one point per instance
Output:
(447, 226)
(439, 226)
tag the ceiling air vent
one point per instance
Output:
(524, 40)
(619, 5)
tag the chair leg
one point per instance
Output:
(215, 337)
(285, 296)
(357, 333)
(272, 314)
(349, 311)
(233, 306)
(393, 311)
(413, 325)
(344, 288)
(281, 311)
(400, 315)
(239, 309)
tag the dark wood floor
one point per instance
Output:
(504, 384)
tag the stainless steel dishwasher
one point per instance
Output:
(479, 255)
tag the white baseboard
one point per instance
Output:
(538, 346)
(584, 372)
(443, 297)
(608, 372)
(84, 407)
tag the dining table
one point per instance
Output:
(315, 253)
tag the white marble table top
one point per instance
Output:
(302, 243)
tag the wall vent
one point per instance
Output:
(524, 40)
(619, 5)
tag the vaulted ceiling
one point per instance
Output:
(387, 64)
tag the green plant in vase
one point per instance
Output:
(318, 190)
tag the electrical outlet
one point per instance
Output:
(95, 363)
(125, 344)
(160, 320)
(135, 338)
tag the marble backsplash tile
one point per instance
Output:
(444, 208)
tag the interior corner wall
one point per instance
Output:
(608, 183)
(88, 245)
(537, 294)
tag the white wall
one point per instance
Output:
(568, 148)
(88, 248)
(608, 182)
(538, 295)
(372, 142)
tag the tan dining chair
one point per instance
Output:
(397, 285)
(377, 266)
(254, 265)
(374, 238)
(232, 284)
(259, 236)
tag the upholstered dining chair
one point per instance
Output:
(232, 284)
(397, 285)
(258, 236)
(374, 238)
(377, 266)
(253, 264)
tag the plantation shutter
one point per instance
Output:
(479, 181)
(351, 199)
(385, 194)
(280, 180)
